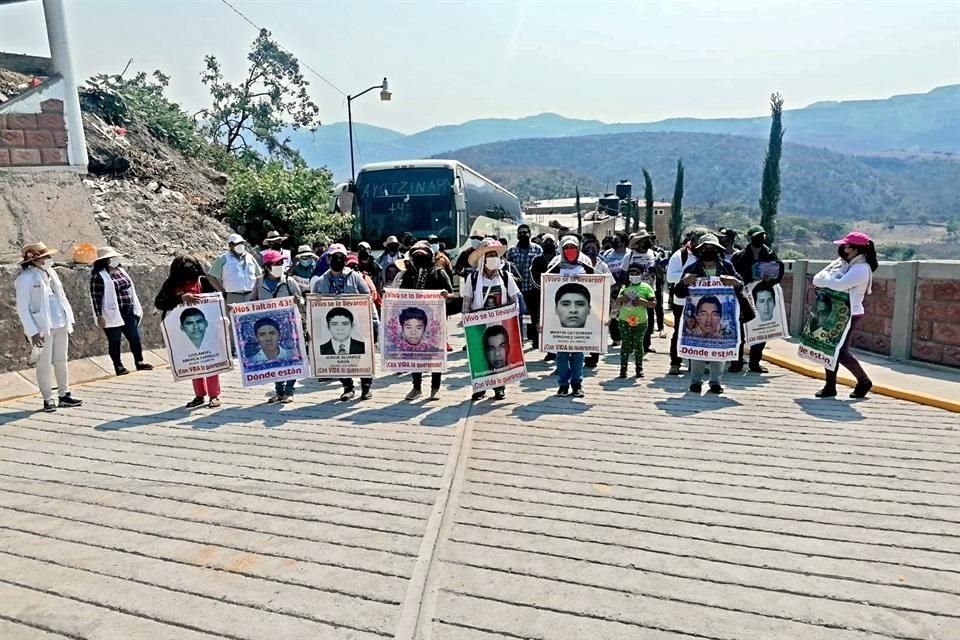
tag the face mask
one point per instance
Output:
(645, 245)
(276, 271)
(337, 262)
(492, 263)
(708, 256)
(757, 241)
(114, 263)
(549, 247)
(392, 248)
(238, 249)
(570, 254)
(421, 260)
(362, 253)
(841, 251)
(523, 239)
(435, 248)
(308, 263)
(636, 279)
(591, 252)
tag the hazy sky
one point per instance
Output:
(454, 61)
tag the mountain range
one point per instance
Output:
(916, 123)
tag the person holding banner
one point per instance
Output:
(681, 259)
(489, 286)
(757, 262)
(342, 280)
(271, 285)
(852, 272)
(708, 316)
(422, 273)
(183, 286)
(572, 307)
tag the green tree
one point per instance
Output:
(648, 199)
(272, 96)
(770, 187)
(676, 212)
(293, 201)
(953, 228)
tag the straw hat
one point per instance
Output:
(305, 251)
(489, 245)
(274, 235)
(107, 252)
(35, 251)
(709, 239)
(390, 240)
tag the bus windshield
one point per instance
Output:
(394, 201)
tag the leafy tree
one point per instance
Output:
(648, 199)
(800, 234)
(292, 200)
(676, 213)
(770, 187)
(953, 228)
(273, 95)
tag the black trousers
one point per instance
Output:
(417, 378)
(365, 383)
(659, 309)
(648, 336)
(677, 319)
(115, 335)
(532, 300)
(756, 352)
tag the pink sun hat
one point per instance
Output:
(855, 238)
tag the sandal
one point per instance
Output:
(214, 403)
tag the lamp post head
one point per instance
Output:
(385, 93)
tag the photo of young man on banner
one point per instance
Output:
(342, 337)
(770, 322)
(197, 340)
(269, 338)
(494, 347)
(574, 312)
(710, 325)
(414, 330)
(825, 328)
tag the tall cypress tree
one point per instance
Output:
(770, 187)
(648, 199)
(579, 215)
(676, 212)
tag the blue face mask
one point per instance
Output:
(307, 263)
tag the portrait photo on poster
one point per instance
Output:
(710, 324)
(268, 339)
(825, 328)
(494, 347)
(341, 335)
(770, 322)
(574, 312)
(196, 339)
(413, 329)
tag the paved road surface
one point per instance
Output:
(639, 512)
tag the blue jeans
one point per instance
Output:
(570, 368)
(284, 388)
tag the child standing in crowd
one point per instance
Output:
(183, 286)
(633, 315)
(275, 284)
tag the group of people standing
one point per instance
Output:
(491, 275)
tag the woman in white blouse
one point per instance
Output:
(851, 272)
(117, 308)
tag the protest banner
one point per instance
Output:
(710, 326)
(269, 339)
(414, 331)
(825, 328)
(196, 339)
(763, 270)
(341, 336)
(494, 347)
(770, 322)
(574, 312)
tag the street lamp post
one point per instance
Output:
(385, 95)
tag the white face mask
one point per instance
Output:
(238, 249)
(276, 271)
(114, 263)
(435, 248)
(636, 279)
(492, 263)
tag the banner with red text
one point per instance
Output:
(414, 330)
(710, 324)
(494, 347)
(196, 339)
(269, 339)
(342, 343)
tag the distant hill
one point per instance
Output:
(917, 122)
(726, 169)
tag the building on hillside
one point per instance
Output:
(564, 211)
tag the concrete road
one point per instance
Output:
(640, 511)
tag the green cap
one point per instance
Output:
(754, 230)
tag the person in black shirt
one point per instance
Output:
(757, 252)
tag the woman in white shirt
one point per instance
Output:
(47, 320)
(116, 308)
(851, 272)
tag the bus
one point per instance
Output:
(444, 198)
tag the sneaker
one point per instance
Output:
(365, 393)
(68, 401)
(674, 370)
(476, 396)
(649, 350)
(614, 343)
(214, 403)
(639, 373)
(434, 392)
(827, 392)
(499, 394)
(663, 334)
(577, 391)
(716, 387)
(144, 366)
(347, 395)
(591, 362)
(756, 368)
(551, 357)
(735, 367)
(196, 402)
(49, 406)
(623, 371)
(122, 371)
(563, 391)
(449, 347)
(274, 399)
(286, 399)
(413, 394)
(696, 387)
(862, 389)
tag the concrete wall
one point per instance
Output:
(911, 314)
(87, 339)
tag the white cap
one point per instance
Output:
(236, 238)
(566, 241)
